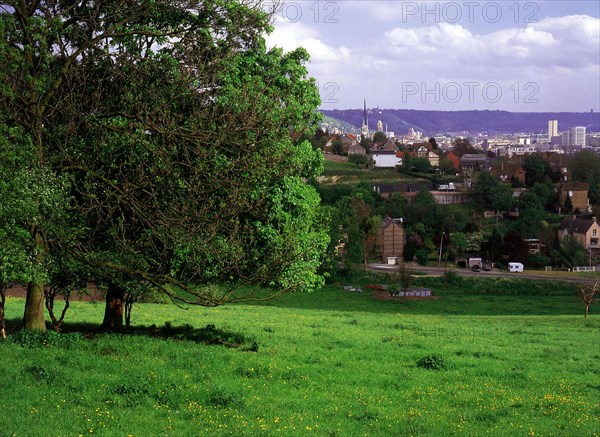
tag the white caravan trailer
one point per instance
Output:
(515, 267)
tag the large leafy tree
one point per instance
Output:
(536, 169)
(489, 192)
(585, 166)
(169, 130)
(531, 216)
(426, 211)
(357, 226)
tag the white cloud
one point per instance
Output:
(362, 56)
(434, 39)
(573, 29)
(549, 43)
(290, 36)
(532, 37)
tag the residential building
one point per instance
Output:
(451, 197)
(392, 239)
(469, 163)
(585, 231)
(509, 170)
(534, 245)
(455, 160)
(385, 158)
(559, 163)
(443, 197)
(389, 145)
(424, 150)
(400, 155)
(433, 158)
(578, 192)
(420, 150)
(347, 143)
(356, 149)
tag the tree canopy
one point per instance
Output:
(157, 142)
(379, 137)
(585, 166)
(489, 192)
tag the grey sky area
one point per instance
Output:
(530, 56)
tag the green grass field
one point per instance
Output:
(347, 173)
(331, 363)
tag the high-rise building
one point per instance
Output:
(565, 138)
(552, 129)
(577, 136)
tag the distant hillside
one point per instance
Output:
(491, 122)
(340, 124)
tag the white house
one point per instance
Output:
(385, 158)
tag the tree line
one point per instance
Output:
(358, 211)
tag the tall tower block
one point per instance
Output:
(552, 129)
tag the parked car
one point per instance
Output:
(486, 267)
(476, 268)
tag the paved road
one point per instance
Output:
(439, 271)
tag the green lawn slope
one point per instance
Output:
(348, 173)
(331, 363)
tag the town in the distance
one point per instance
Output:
(526, 197)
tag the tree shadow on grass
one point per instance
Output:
(208, 335)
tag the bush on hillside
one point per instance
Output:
(433, 362)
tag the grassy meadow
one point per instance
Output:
(332, 363)
(348, 173)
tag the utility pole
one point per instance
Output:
(441, 244)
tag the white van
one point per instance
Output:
(515, 267)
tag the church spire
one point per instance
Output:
(365, 126)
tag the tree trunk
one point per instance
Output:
(33, 319)
(587, 310)
(113, 313)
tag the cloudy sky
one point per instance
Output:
(529, 56)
